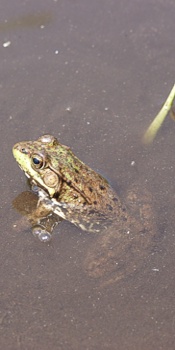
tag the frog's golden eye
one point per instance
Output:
(37, 161)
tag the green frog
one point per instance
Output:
(69, 189)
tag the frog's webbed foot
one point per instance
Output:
(140, 204)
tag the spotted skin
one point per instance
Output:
(70, 190)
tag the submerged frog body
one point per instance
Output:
(66, 186)
(69, 189)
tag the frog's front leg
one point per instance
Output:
(42, 219)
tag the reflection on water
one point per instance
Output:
(30, 20)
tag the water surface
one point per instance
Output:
(94, 74)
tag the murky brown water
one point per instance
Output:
(93, 73)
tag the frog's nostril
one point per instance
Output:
(23, 150)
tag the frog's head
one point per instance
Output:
(35, 160)
(54, 168)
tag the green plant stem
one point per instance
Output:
(151, 132)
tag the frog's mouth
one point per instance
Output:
(26, 174)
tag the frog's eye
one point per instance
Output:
(37, 161)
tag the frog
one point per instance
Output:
(68, 189)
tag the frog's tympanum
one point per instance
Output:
(68, 189)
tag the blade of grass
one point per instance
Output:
(151, 132)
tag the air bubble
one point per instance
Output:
(41, 234)
(45, 236)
